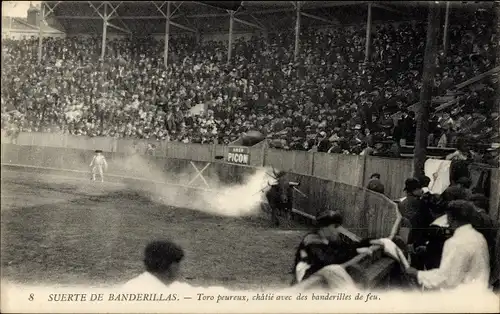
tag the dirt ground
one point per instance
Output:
(58, 230)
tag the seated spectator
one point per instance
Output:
(465, 257)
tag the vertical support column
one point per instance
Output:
(297, 31)
(104, 31)
(40, 32)
(167, 36)
(445, 31)
(230, 41)
(368, 33)
(420, 153)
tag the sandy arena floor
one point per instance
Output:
(58, 230)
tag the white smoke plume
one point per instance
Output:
(236, 200)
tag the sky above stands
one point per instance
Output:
(17, 8)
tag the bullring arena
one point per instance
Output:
(60, 230)
(78, 229)
(321, 149)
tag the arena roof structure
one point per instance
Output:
(147, 18)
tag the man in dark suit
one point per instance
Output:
(410, 208)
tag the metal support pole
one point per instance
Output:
(445, 31)
(297, 31)
(230, 44)
(368, 33)
(40, 32)
(167, 36)
(104, 30)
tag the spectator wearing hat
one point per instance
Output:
(375, 184)
(410, 206)
(465, 258)
(161, 261)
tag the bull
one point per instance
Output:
(280, 197)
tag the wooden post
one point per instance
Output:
(40, 32)
(445, 30)
(230, 41)
(167, 36)
(368, 33)
(297, 31)
(104, 31)
(420, 153)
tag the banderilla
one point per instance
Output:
(300, 192)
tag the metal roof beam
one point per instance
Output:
(318, 18)
(196, 16)
(113, 9)
(96, 10)
(142, 17)
(183, 27)
(248, 23)
(207, 15)
(169, 16)
(125, 26)
(158, 8)
(267, 11)
(51, 9)
(138, 17)
(385, 7)
(70, 17)
(310, 4)
(119, 28)
(257, 21)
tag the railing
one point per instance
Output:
(352, 170)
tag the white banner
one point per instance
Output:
(439, 173)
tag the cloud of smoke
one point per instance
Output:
(236, 200)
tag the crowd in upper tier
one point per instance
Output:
(329, 100)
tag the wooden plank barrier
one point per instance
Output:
(366, 214)
(348, 169)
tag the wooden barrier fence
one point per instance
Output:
(348, 169)
(366, 213)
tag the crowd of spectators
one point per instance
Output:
(329, 100)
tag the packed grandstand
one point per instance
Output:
(329, 98)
